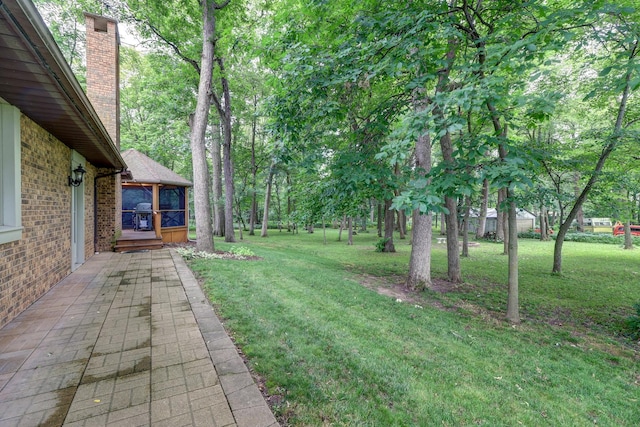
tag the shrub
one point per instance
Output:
(237, 252)
(242, 251)
(608, 239)
(380, 244)
(190, 253)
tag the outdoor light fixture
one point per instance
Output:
(78, 174)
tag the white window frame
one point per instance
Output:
(10, 174)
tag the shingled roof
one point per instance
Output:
(148, 171)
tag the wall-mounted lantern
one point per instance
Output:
(78, 174)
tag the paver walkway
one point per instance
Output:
(126, 340)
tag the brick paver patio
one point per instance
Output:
(126, 340)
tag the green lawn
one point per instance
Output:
(335, 352)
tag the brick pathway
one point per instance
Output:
(126, 340)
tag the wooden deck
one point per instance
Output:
(131, 240)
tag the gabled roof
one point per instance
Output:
(35, 78)
(148, 171)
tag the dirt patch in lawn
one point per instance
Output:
(395, 287)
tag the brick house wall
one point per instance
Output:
(89, 212)
(109, 205)
(31, 266)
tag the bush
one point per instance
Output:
(529, 235)
(190, 253)
(608, 239)
(380, 245)
(236, 252)
(242, 251)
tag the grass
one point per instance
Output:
(334, 352)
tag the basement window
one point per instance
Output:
(10, 174)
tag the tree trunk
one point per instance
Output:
(420, 259)
(267, 203)
(419, 276)
(241, 224)
(253, 215)
(628, 240)
(389, 216)
(204, 231)
(511, 234)
(350, 231)
(500, 217)
(324, 231)
(218, 203)
(229, 232)
(465, 228)
(402, 221)
(372, 210)
(227, 160)
(580, 213)
(207, 95)
(451, 219)
(446, 147)
(289, 203)
(544, 226)
(482, 216)
(278, 206)
(505, 225)
(453, 247)
(379, 219)
(513, 310)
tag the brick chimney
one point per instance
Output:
(103, 71)
(103, 91)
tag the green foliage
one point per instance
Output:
(236, 252)
(242, 251)
(604, 238)
(380, 244)
(154, 108)
(190, 254)
(65, 20)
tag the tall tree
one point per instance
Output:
(618, 34)
(204, 230)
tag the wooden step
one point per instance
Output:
(125, 245)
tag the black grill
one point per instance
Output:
(142, 217)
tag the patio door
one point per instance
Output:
(77, 215)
